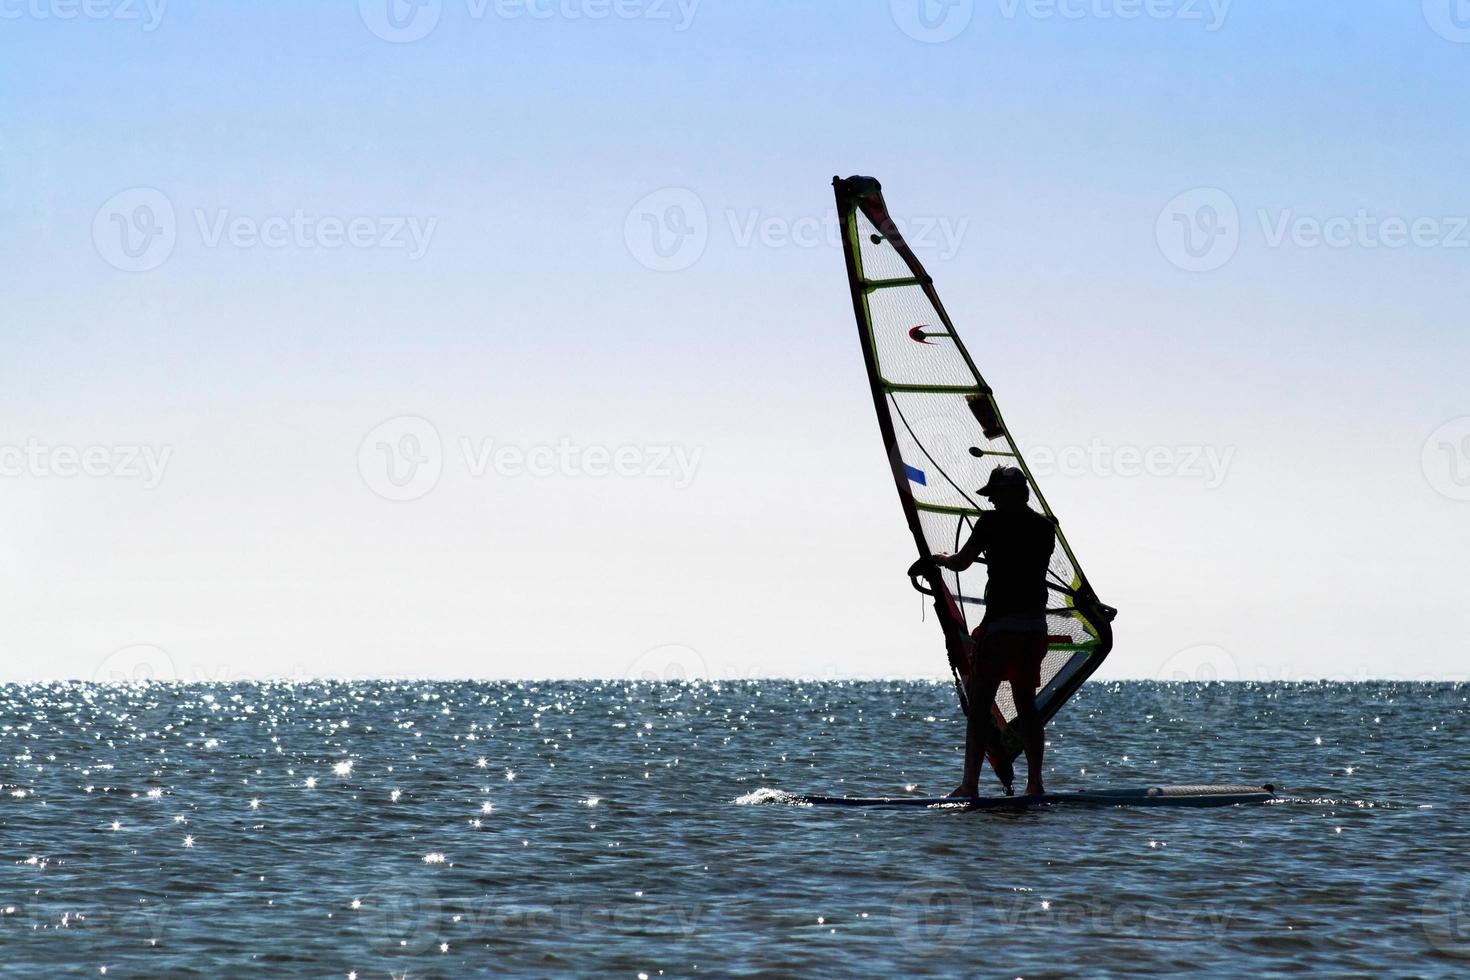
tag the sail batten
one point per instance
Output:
(873, 285)
(930, 389)
(944, 434)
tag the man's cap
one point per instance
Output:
(1003, 478)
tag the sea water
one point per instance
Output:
(463, 829)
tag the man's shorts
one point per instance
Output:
(1012, 655)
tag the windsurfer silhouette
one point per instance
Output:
(1010, 642)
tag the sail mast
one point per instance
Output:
(950, 618)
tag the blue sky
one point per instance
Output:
(255, 253)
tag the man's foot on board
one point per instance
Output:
(965, 793)
(1035, 789)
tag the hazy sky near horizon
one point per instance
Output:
(511, 339)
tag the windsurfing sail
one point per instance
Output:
(944, 434)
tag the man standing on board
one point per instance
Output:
(1010, 641)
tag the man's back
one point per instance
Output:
(1018, 545)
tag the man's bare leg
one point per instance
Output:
(978, 731)
(1028, 722)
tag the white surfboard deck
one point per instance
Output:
(1182, 796)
